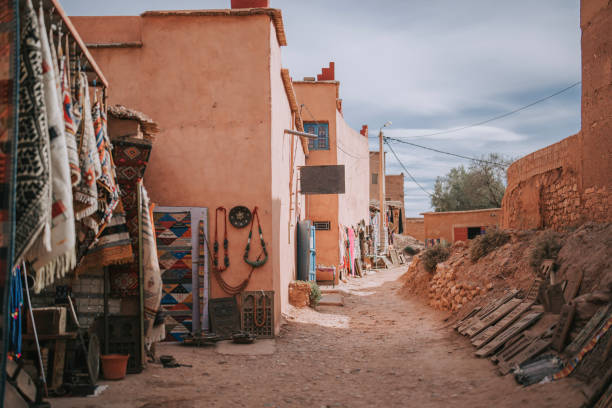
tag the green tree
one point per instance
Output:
(481, 185)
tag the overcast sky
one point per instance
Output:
(429, 66)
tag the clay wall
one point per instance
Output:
(569, 183)
(221, 129)
(415, 227)
(441, 225)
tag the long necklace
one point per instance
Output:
(226, 261)
(264, 313)
(256, 263)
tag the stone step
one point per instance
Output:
(331, 299)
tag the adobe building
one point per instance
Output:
(213, 79)
(394, 189)
(451, 226)
(568, 183)
(336, 144)
(415, 227)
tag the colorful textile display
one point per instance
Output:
(107, 189)
(351, 239)
(15, 303)
(70, 126)
(151, 273)
(60, 258)
(131, 158)
(86, 192)
(113, 245)
(124, 280)
(33, 201)
(173, 232)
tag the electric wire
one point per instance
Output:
(406, 170)
(443, 152)
(503, 115)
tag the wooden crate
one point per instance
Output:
(49, 320)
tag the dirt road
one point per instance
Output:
(379, 350)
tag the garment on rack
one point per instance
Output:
(33, 187)
(351, 239)
(151, 273)
(400, 228)
(60, 258)
(86, 192)
(70, 126)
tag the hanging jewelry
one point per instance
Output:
(255, 264)
(226, 261)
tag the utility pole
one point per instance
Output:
(381, 190)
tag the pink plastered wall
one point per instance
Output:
(209, 83)
(353, 205)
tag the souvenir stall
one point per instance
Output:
(69, 211)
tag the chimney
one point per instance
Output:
(239, 4)
(364, 130)
(327, 74)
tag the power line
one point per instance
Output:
(349, 154)
(406, 170)
(443, 132)
(447, 153)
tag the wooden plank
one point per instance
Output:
(532, 350)
(489, 334)
(467, 316)
(513, 347)
(25, 385)
(586, 332)
(516, 328)
(536, 343)
(57, 371)
(488, 309)
(573, 285)
(555, 298)
(394, 257)
(493, 318)
(546, 268)
(563, 327)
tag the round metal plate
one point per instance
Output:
(240, 216)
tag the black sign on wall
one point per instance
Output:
(322, 179)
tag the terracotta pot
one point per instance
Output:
(114, 366)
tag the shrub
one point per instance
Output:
(434, 255)
(547, 246)
(483, 244)
(315, 293)
(411, 251)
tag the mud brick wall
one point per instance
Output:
(569, 183)
(415, 227)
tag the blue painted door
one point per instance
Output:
(312, 272)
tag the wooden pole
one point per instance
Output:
(381, 193)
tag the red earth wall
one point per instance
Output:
(568, 183)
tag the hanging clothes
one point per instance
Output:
(33, 181)
(60, 258)
(351, 239)
(400, 221)
(107, 188)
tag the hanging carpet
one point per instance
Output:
(130, 157)
(33, 201)
(113, 246)
(61, 258)
(173, 232)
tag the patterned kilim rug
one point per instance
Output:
(173, 232)
(131, 157)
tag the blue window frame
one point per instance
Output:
(322, 132)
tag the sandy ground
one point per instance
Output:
(379, 350)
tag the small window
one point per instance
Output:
(322, 132)
(322, 225)
(374, 178)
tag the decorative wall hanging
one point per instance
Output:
(257, 263)
(240, 216)
(224, 317)
(258, 313)
(226, 261)
(174, 247)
